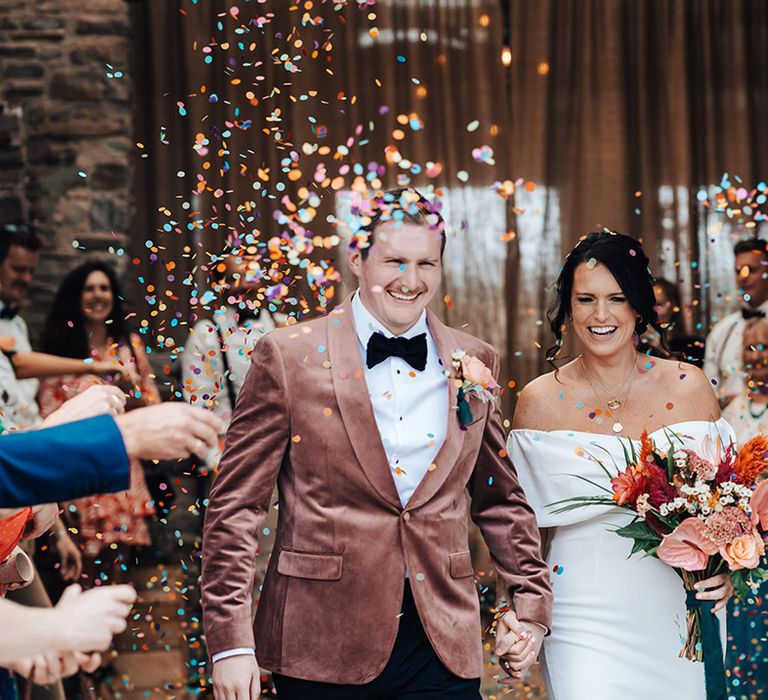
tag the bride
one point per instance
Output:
(619, 622)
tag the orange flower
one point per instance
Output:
(628, 486)
(752, 460)
(646, 447)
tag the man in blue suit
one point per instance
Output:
(90, 455)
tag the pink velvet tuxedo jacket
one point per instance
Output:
(332, 593)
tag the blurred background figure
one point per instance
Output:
(19, 257)
(87, 319)
(747, 412)
(669, 307)
(724, 353)
(217, 353)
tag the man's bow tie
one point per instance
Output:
(746, 313)
(412, 350)
(9, 312)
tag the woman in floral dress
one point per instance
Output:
(87, 319)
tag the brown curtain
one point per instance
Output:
(623, 111)
(612, 113)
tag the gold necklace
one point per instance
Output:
(613, 400)
(614, 405)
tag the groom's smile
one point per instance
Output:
(400, 273)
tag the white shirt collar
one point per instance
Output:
(366, 324)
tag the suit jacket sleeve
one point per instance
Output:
(508, 525)
(256, 443)
(62, 463)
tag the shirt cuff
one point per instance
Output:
(240, 651)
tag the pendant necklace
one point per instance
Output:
(614, 405)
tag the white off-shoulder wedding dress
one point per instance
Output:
(619, 622)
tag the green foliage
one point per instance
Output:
(645, 538)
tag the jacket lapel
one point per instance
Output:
(354, 402)
(446, 343)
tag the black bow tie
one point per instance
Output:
(9, 312)
(746, 313)
(412, 350)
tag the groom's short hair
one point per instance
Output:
(402, 205)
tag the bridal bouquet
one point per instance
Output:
(701, 511)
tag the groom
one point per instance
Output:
(370, 590)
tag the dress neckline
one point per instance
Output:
(568, 431)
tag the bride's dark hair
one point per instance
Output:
(627, 262)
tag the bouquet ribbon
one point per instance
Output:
(711, 646)
(465, 412)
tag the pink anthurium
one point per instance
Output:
(687, 547)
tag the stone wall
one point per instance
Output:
(65, 130)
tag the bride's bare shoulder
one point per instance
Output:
(686, 387)
(535, 403)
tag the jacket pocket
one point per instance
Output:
(460, 565)
(320, 567)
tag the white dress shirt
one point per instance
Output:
(746, 418)
(410, 408)
(19, 396)
(723, 362)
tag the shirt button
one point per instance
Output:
(406, 516)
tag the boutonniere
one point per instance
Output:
(473, 378)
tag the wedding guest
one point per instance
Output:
(19, 256)
(723, 359)
(80, 452)
(217, 352)
(748, 414)
(680, 345)
(87, 319)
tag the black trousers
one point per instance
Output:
(413, 672)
